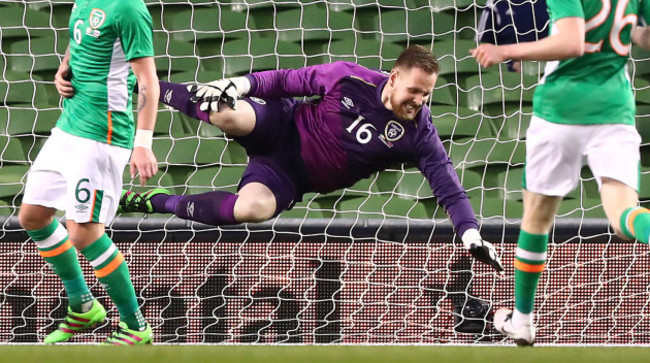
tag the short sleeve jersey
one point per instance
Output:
(104, 36)
(594, 88)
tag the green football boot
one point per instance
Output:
(135, 202)
(76, 323)
(126, 336)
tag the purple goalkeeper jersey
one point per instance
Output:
(348, 134)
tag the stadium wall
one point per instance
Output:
(342, 281)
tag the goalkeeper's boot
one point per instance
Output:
(125, 336)
(136, 202)
(76, 323)
(522, 335)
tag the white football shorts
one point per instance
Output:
(81, 176)
(555, 153)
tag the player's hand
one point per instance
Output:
(488, 55)
(482, 250)
(210, 95)
(62, 81)
(144, 163)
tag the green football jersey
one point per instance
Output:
(104, 36)
(594, 88)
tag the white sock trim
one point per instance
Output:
(104, 256)
(59, 234)
(534, 256)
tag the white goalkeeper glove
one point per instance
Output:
(227, 90)
(481, 250)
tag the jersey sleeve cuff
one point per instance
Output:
(253, 80)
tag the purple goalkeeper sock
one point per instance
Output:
(214, 208)
(177, 96)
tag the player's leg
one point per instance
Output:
(45, 192)
(530, 260)
(113, 273)
(94, 184)
(253, 203)
(273, 180)
(614, 159)
(266, 189)
(238, 122)
(54, 246)
(553, 162)
(620, 202)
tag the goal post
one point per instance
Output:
(376, 263)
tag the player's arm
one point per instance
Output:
(142, 159)
(434, 163)
(567, 42)
(63, 77)
(641, 37)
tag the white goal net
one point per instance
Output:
(374, 263)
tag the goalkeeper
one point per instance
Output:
(364, 122)
(583, 110)
(80, 167)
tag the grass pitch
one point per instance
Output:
(318, 354)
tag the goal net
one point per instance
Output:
(375, 263)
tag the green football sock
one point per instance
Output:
(529, 264)
(56, 249)
(635, 223)
(111, 270)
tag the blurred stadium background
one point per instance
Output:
(374, 263)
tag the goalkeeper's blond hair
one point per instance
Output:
(417, 56)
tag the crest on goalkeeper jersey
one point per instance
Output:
(394, 130)
(97, 17)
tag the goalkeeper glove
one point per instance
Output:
(226, 90)
(481, 250)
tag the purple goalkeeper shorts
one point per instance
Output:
(273, 148)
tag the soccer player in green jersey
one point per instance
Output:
(80, 167)
(583, 109)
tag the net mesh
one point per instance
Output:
(338, 288)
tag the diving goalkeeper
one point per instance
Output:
(363, 122)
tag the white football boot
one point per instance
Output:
(522, 335)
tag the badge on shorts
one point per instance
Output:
(97, 17)
(394, 130)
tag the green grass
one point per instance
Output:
(317, 354)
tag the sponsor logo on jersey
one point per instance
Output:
(81, 208)
(394, 130)
(93, 32)
(385, 141)
(168, 95)
(97, 17)
(347, 102)
(258, 100)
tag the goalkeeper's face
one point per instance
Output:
(410, 89)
